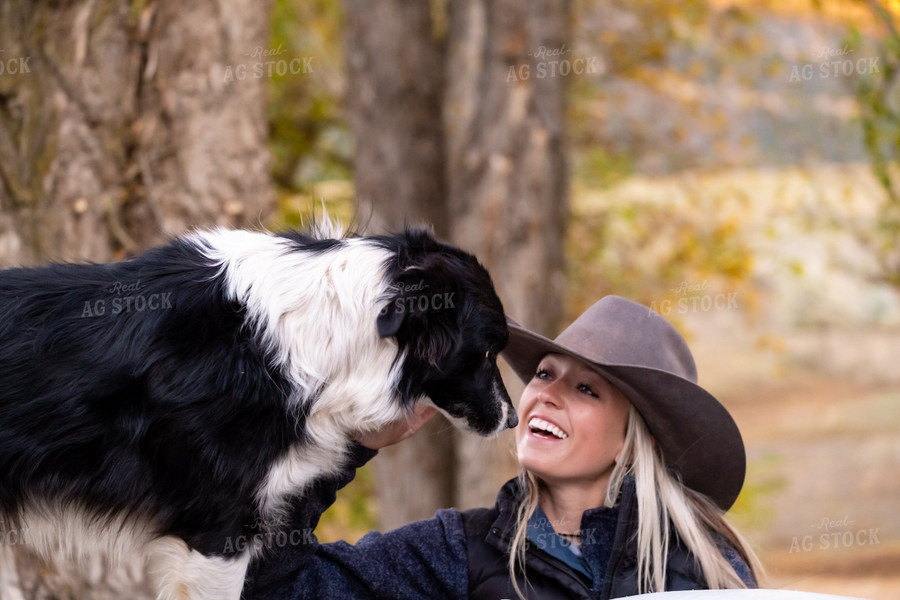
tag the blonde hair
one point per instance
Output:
(661, 499)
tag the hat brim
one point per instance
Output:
(697, 436)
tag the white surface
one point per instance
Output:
(742, 595)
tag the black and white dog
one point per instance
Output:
(172, 401)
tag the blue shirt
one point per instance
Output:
(540, 532)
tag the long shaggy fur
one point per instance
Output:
(177, 400)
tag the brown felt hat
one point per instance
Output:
(640, 353)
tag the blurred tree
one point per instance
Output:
(309, 136)
(444, 135)
(508, 177)
(878, 94)
(394, 86)
(119, 126)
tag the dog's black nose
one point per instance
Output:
(513, 420)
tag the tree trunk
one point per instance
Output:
(394, 81)
(499, 147)
(120, 128)
(508, 190)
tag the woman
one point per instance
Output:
(627, 467)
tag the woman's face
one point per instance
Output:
(571, 423)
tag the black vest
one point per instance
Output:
(488, 534)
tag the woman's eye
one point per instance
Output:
(586, 389)
(541, 374)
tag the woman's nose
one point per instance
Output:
(551, 395)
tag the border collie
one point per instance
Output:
(175, 401)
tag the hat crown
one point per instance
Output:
(617, 331)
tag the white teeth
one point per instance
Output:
(536, 423)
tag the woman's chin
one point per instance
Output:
(542, 462)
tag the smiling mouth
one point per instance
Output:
(546, 429)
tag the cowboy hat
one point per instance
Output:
(642, 355)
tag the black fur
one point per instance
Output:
(443, 362)
(176, 413)
(171, 412)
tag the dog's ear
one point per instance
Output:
(403, 300)
(425, 295)
(390, 319)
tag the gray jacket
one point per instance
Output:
(456, 555)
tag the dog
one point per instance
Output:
(175, 401)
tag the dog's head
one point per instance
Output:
(441, 306)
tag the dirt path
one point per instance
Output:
(823, 483)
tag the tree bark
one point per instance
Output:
(119, 128)
(441, 135)
(395, 82)
(508, 190)
(123, 131)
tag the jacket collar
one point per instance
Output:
(509, 498)
(604, 527)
